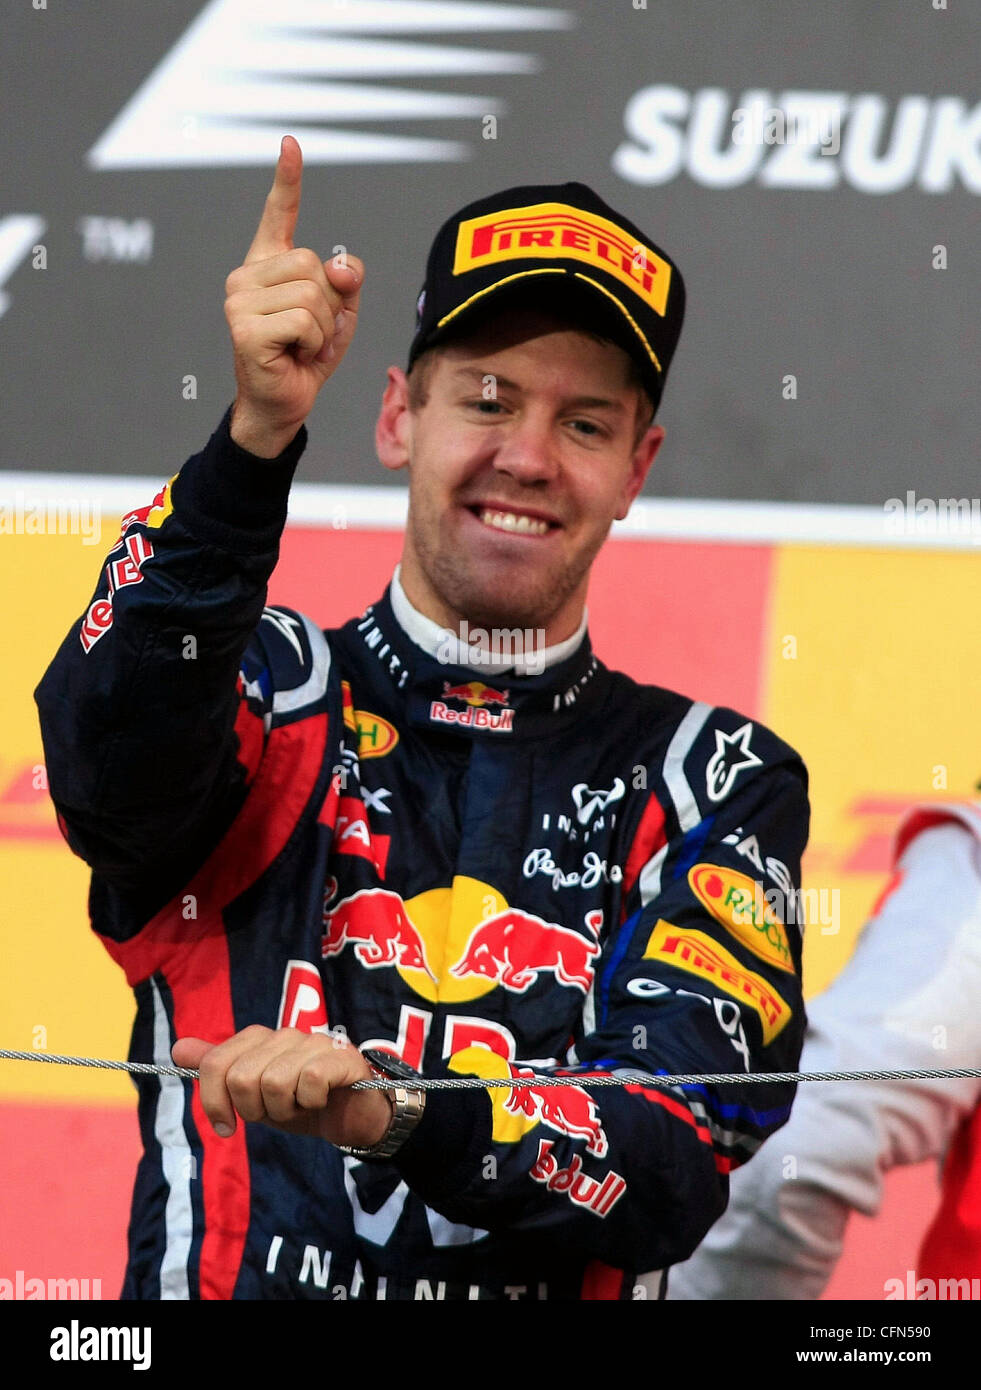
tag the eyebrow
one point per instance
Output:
(476, 374)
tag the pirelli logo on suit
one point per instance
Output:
(697, 954)
(551, 230)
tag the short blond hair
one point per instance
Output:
(419, 377)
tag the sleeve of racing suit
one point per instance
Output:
(907, 1000)
(138, 708)
(634, 1176)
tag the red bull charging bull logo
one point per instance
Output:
(475, 693)
(432, 942)
(568, 1109)
(376, 923)
(513, 948)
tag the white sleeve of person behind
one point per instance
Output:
(907, 1000)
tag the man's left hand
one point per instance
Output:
(297, 1082)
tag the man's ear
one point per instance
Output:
(640, 462)
(393, 432)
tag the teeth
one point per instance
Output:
(512, 521)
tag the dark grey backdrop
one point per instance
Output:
(834, 285)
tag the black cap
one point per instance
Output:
(561, 246)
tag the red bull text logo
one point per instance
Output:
(127, 569)
(569, 1109)
(697, 954)
(597, 1196)
(476, 696)
(553, 230)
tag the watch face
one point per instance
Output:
(389, 1064)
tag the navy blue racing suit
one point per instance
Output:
(561, 872)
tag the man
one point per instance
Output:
(906, 1001)
(478, 863)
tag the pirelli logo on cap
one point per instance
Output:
(697, 954)
(548, 230)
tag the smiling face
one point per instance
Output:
(530, 441)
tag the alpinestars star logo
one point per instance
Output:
(246, 70)
(725, 764)
(18, 233)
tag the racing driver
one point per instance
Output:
(413, 845)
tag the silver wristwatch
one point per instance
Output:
(407, 1105)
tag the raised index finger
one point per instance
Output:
(278, 221)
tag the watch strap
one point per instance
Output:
(407, 1110)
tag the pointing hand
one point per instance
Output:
(291, 317)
